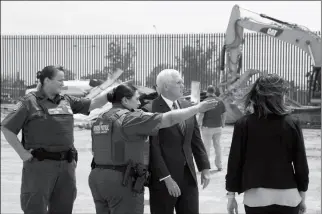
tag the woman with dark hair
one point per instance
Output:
(47, 146)
(267, 160)
(118, 136)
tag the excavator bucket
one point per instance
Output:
(231, 57)
(233, 43)
(233, 82)
(233, 113)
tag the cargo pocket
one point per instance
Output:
(33, 202)
(24, 200)
(35, 183)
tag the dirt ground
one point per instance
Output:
(212, 199)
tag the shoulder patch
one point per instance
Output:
(18, 106)
(121, 112)
(76, 99)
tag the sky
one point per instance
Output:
(145, 17)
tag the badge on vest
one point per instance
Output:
(60, 110)
(101, 128)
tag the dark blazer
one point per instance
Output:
(267, 152)
(171, 149)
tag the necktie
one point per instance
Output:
(181, 124)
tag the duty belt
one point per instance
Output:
(41, 154)
(136, 173)
(120, 168)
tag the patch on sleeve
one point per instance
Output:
(77, 99)
(18, 106)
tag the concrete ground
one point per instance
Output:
(212, 199)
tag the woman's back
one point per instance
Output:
(267, 159)
(271, 147)
(274, 135)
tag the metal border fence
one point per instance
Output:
(143, 56)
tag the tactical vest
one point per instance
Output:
(48, 127)
(110, 145)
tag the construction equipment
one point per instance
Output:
(296, 35)
(232, 82)
(77, 88)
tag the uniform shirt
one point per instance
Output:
(139, 123)
(46, 123)
(212, 118)
(126, 138)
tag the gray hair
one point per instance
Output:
(164, 77)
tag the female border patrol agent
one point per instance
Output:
(118, 136)
(47, 146)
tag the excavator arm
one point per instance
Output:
(302, 38)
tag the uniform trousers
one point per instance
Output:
(48, 187)
(110, 196)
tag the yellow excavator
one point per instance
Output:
(232, 82)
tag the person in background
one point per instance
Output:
(47, 146)
(267, 159)
(211, 123)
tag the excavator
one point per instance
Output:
(231, 79)
(232, 82)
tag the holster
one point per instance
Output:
(139, 174)
(128, 173)
(72, 154)
(141, 178)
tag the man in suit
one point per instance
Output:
(173, 183)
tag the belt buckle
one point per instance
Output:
(62, 156)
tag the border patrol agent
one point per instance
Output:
(47, 145)
(118, 173)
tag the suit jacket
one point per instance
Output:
(171, 149)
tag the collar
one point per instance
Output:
(169, 102)
(119, 106)
(41, 94)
